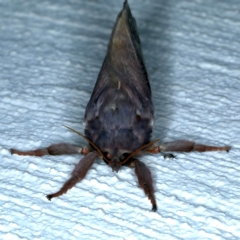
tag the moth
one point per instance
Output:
(119, 115)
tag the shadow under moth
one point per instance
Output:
(119, 115)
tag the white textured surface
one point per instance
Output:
(50, 55)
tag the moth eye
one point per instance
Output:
(109, 156)
(122, 157)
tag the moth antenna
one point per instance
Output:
(90, 142)
(136, 151)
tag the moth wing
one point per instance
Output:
(123, 67)
(119, 114)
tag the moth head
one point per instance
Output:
(115, 164)
(115, 159)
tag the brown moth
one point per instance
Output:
(119, 114)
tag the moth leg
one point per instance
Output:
(55, 149)
(145, 181)
(78, 174)
(186, 146)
